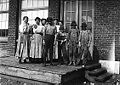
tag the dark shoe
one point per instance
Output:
(59, 63)
(44, 65)
(51, 64)
(21, 61)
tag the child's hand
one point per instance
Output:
(79, 44)
(43, 42)
(34, 26)
(55, 42)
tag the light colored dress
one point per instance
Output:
(37, 42)
(56, 45)
(23, 41)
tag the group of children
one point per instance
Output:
(48, 38)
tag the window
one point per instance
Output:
(4, 7)
(80, 11)
(34, 8)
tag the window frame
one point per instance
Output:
(31, 9)
(4, 32)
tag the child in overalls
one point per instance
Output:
(85, 39)
(73, 41)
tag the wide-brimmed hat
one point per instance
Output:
(84, 24)
(73, 23)
(49, 19)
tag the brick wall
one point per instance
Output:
(107, 29)
(13, 25)
(54, 9)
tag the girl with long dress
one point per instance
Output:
(37, 39)
(23, 41)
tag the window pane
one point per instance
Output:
(0, 17)
(40, 3)
(6, 24)
(84, 5)
(29, 2)
(1, 6)
(3, 25)
(34, 8)
(73, 5)
(7, 6)
(0, 25)
(45, 13)
(70, 16)
(40, 13)
(7, 16)
(34, 3)
(35, 14)
(68, 6)
(4, 7)
(29, 14)
(7, 1)
(90, 5)
(4, 17)
(45, 3)
(24, 4)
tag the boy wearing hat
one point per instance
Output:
(84, 44)
(73, 41)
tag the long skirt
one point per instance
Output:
(23, 46)
(36, 46)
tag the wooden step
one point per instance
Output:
(103, 77)
(97, 72)
(93, 66)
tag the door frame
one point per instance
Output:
(78, 14)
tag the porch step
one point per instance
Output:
(103, 77)
(97, 72)
(93, 67)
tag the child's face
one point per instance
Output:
(55, 21)
(60, 23)
(25, 20)
(43, 21)
(37, 21)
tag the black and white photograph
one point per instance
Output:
(59, 42)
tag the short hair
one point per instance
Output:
(25, 17)
(73, 23)
(37, 18)
(49, 19)
(56, 19)
(43, 19)
(83, 26)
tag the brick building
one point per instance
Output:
(101, 15)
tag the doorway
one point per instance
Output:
(79, 11)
